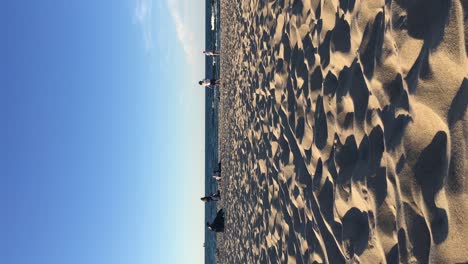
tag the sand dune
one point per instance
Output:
(344, 132)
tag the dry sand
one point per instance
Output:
(343, 131)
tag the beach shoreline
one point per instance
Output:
(212, 71)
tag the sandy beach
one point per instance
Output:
(343, 131)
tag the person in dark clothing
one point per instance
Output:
(209, 82)
(217, 173)
(218, 223)
(212, 197)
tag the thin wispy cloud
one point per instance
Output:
(184, 33)
(142, 16)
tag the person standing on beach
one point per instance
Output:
(217, 173)
(212, 197)
(209, 82)
(218, 223)
(211, 52)
(217, 177)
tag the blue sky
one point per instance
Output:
(102, 131)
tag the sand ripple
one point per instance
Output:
(343, 131)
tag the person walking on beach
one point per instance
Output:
(212, 197)
(211, 52)
(217, 173)
(209, 82)
(217, 177)
(218, 223)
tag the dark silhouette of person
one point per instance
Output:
(212, 197)
(218, 223)
(217, 173)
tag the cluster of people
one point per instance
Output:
(210, 83)
(217, 225)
